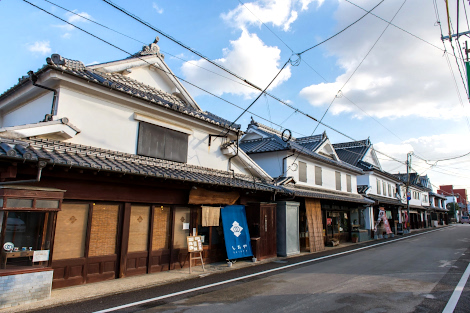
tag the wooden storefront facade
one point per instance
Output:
(111, 226)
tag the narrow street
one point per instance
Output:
(416, 274)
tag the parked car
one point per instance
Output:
(465, 219)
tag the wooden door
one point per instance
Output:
(268, 230)
(102, 259)
(181, 229)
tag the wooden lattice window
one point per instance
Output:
(104, 225)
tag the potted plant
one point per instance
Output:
(354, 238)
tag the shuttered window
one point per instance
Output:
(302, 172)
(162, 143)
(338, 180)
(378, 187)
(348, 183)
(318, 176)
(104, 226)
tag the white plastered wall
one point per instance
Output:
(270, 162)
(152, 78)
(108, 125)
(31, 112)
(328, 175)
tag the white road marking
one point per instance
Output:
(255, 274)
(454, 299)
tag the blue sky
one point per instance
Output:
(404, 83)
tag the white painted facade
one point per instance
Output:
(107, 119)
(328, 174)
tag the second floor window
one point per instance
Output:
(302, 171)
(348, 183)
(318, 176)
(378, 187)
(163, 143)
(389, 190)
(384, 185)
(338, 180)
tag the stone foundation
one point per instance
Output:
(24, 288)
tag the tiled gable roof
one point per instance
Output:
(126, 85)
(272, 142)
(79, 156)
(352, 152)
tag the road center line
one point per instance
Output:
(454, 299)
(258, 274)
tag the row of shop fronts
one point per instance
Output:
(87, 227)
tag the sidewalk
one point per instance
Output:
(111, 287)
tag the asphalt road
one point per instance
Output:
(417, 274)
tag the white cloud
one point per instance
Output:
(248, 56)
(42, 47)
(280, 13)
(74, 19)
(402, 76)
(157, 8)
(436, 147)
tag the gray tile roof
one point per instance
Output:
(352, 152)
(304, 145)
(86, 157)
(328, 195)
(386, 200)
(125, 85)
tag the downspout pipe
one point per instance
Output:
(41, 164)
(230, 159)
(283, 166)
(34, 79)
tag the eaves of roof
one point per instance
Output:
(70, 155)
(385, 200)
(321, 194)
(124, 85)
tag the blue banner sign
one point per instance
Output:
(237, 237)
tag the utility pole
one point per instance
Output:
(408, 195)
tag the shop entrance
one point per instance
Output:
(337, 225)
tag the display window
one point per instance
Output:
(27, 216)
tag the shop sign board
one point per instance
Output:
(194, 243)
(237, 237)
(40, 255)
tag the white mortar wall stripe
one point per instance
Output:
(255, 274)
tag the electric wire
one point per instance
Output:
(398, 27)
(164, 71)
(212, 62)
(242, 3)
(347, 81)
(132, 38)
(331, 37)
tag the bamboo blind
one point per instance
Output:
(104, 225)
(70, 233)
(315, 225)
(161, 228)
(139, 228)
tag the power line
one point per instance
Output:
(322, 42)
(165, 52)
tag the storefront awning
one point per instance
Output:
(384, 200)
(320, 194)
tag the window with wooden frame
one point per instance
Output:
(302, 172)
(384, 188)
(338, 180)
(27, 217)
(163, 143)
(379, 186)
(389, 190)
(318, 176)
(348, 183)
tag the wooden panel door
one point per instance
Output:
(138, 241)
(268, 230)
(159, 259)
(103, 261)
(179, 249)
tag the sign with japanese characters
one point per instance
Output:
(194, 243)
(237, 237)
(40, 255)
